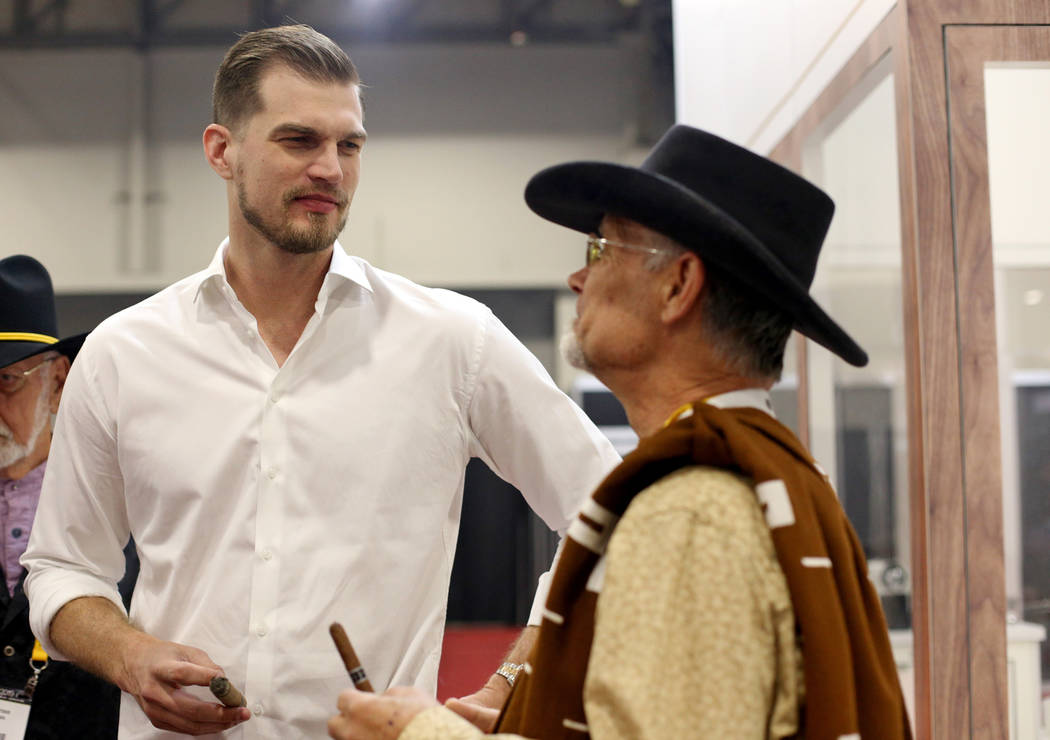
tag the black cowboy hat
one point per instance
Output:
(758, 221)
(28, 325)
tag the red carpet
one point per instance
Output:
(470, 654)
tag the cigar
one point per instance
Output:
(346, 652)
(226, 692)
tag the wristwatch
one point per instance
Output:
(509, 671)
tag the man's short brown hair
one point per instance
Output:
(314, 56)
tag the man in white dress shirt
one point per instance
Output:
(284, 434)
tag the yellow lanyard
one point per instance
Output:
(678, 414)
(38, 652)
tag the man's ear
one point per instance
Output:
(683, 280)
(217, 141)
(58, 381)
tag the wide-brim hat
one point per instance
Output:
(28, 325)
(759, 222)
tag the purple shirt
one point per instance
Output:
(18, 500)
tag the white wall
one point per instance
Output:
(454, 134)
(747, 69)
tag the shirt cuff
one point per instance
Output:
(438, 723)
(543, 587)
(51, 589)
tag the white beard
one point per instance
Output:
(572, 351)
(11, 451)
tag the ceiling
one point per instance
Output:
(150, 23)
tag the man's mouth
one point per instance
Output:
(318, 202)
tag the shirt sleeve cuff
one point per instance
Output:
(50, 591)
(543, 587)
(438, 723)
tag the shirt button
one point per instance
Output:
(16, 532)
(9, 651)
(271, 473)
(275, 396)
(261, 630)
(266, 555)
(257, 709)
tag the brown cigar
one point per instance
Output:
(346, 652)
(226, 692)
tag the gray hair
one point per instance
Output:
(747, 332)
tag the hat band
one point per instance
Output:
(25, 336)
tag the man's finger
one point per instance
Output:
(346, 699)
(484, 718)
(198, 710)
(184, 673)
(175, 721)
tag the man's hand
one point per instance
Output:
(155, 672)
(365, 716)
(482, 708)
(95, 634)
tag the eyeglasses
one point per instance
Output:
(11, 383)
(596, 246)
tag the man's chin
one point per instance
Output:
(573, 352)
(303, 242)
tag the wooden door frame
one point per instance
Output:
(887, 40)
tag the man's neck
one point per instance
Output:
(278, 288)
(651, 398)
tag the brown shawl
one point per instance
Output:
(850, 675)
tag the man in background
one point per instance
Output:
(51, 697)
(712, 586)
(285, 433)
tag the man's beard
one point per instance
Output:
(573, 352)
(11, 451)
(314, 238)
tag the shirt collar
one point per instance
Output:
(342, 268)
(754, 398)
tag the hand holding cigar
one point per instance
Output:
(346, 652)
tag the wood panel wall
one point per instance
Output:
(938, 50)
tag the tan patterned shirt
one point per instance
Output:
(694, 631)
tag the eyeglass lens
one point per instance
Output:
(12, 382)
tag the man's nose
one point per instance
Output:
(577, 279)
(326, 166)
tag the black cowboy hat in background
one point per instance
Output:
(758, 221)
(28, 325)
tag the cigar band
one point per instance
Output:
(358, 675)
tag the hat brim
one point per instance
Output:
(578, 194)
(12, 352)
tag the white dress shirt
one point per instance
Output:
(267, 502)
